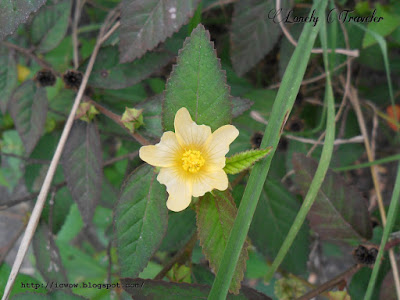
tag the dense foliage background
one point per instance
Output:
(105, 222)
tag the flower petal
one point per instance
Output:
(188, 132)
(179, 188)
(206, 182)
(162, 154)
(217, 145)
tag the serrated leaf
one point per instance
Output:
(28, 108)
(142, 289)
(140, 220)
(50, 25)
(198, 84)
(244, 160)
(48, 259)
(13, 13)
(240, 105)
(82, 164)
(253, 34)
(275, 213)
(339, 212)
(181, 226)
(8, 77)
(215, 214)
(109, 73)
(146, 23)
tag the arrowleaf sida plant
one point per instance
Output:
(135, 129)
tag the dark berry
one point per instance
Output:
(364, 255)
(72, 79)
(45, 77)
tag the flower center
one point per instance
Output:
(192, 161)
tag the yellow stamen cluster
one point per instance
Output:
(192, 161)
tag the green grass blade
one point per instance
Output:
(368, 164)
(322, 166)
(394, 203)
(282, 106)
(391, 218)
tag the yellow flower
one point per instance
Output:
(191, 159)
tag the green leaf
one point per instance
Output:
(8, 77)
(216, 213)
(72, 226)
(244, 160)
(140, 219)
(181, 226)
(339, 212)
(390, 23)
(21, 282)
(198, 84)
(48, 259)
(13, 13)
(82, 164)
(142, 289)
(28, 108)
(146, 23)
(275, 213)
(50, 25)
(110, 74)
(253, 34)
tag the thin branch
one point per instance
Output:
(129, 156)
(111, 31)
(37, 210)
(29, 197)
(75, 41)
(31, 55)
(331, 283)
(117, 119)
(353, 140)
(182, 254)
(313, 79)
(26, 159)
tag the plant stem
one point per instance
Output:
(181, 254)
(331, 283)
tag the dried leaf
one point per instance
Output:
(146, 23)
(8, 77)
(82, 164)
(253, 34)
(339, 212)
